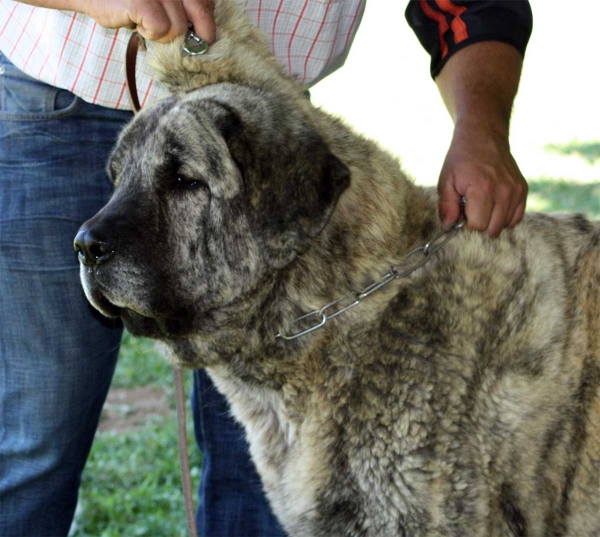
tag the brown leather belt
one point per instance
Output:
(136, 42)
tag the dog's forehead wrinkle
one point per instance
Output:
(252, 106)
(191, 131)
(145, 123)
(140, 144)
(188, 132)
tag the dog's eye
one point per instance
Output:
(184, 182)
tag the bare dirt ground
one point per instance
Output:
(129, 409)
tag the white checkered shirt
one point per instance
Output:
(71, 51)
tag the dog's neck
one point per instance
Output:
(377, 221)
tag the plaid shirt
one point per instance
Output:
(69, 50)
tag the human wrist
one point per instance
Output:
(483, 122)
(479, 84)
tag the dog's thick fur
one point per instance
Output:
(459, 401)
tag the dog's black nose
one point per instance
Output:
(92, 249)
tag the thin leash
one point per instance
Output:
(192, 45)
(136, 41)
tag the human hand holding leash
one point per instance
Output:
(155, 20)
(478, 85)
(480, 167)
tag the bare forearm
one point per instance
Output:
(157, 20)
(479, 83)
(67, 5)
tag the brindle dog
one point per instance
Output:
(461, 400)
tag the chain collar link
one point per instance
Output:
(328, 311)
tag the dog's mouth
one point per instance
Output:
(103, 299)
(136, 323)
(104, 305)
(137, 320)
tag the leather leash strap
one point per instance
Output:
(184, 463)
(135, 41)
(130, 60)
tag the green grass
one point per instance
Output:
(131, 484)
(589, 150)
(561, 195)
(140, 364)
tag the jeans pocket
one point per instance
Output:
(23, 98)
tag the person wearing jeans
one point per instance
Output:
(58, 355)
(62, 106)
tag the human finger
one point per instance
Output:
(497, 220)
(518, 216)
(479, 208)
(177, 19)
(201, 14)
(151, 20)
(449, 202)
(517, 206)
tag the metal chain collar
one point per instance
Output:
(395, 272)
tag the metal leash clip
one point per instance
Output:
(194, 45)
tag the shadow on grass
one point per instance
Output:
(561, 195)
(589, 151)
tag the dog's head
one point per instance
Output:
(214, 192)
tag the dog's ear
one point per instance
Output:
(293, 196)
(292, 181)
(226, 120)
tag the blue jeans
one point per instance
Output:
(229, 484)
(57, 355)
